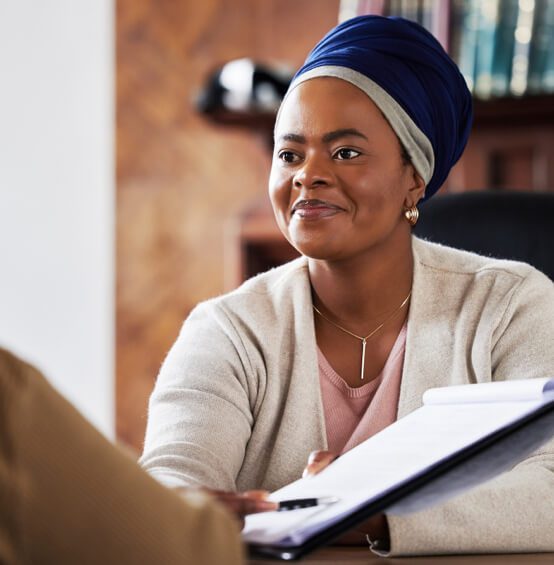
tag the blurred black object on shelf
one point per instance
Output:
(244, 93)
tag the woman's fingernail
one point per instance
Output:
(313, 456)
(256, 494)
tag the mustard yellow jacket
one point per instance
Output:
(67, 496)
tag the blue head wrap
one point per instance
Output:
(409, 76)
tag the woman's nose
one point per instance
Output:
(313, 173)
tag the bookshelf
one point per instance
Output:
(512, 142)
(503, 47)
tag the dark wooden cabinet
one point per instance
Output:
(511, 147)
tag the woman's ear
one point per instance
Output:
(417, 190)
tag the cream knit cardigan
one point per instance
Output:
(237, 403)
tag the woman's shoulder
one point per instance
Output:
(451, 261)
(273, 289)
(268, 282)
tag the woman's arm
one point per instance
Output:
(200, 414)
(513, 512)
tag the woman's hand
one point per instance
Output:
(374, 528)
(240, 504)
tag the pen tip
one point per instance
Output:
(328, 499)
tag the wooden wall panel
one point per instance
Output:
(180, 178)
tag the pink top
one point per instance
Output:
(354, 414)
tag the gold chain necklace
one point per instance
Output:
(370, 334)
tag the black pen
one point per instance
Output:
(296, 503)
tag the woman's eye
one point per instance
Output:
(288, 156)
(345, 154)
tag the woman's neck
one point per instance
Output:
(362, 288)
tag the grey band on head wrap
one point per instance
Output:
(415, 142)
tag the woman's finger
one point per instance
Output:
(317, 461)
(256, 494)
(243, 503)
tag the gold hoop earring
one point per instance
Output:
(411, 214)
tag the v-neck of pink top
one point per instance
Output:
(354, 414)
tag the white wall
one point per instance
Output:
(57, 195)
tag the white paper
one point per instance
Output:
(402, 451)
(527, 389)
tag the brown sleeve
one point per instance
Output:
(69, 496)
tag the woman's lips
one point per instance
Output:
(314, 209)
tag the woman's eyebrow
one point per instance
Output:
(346, 132)
(327, 138)
(295, 137)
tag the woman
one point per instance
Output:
(323, 352)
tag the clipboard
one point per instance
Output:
(497, 449)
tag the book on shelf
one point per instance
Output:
(409, 9)
(503, 47)
(485, 43)
(421, 11)
(523, 38)
(466, 36)
(547, 81)
(457, 11)
(494, 47)
(541, 52)
(460, 437)
(426, 14)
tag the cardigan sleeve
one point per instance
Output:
(522, 343)
(200, 416)
(515, 511)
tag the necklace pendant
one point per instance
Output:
(364, 341)
(370, 334)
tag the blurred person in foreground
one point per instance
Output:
(68, 496)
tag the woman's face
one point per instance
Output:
(338, 184)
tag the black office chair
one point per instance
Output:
(502, 224)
